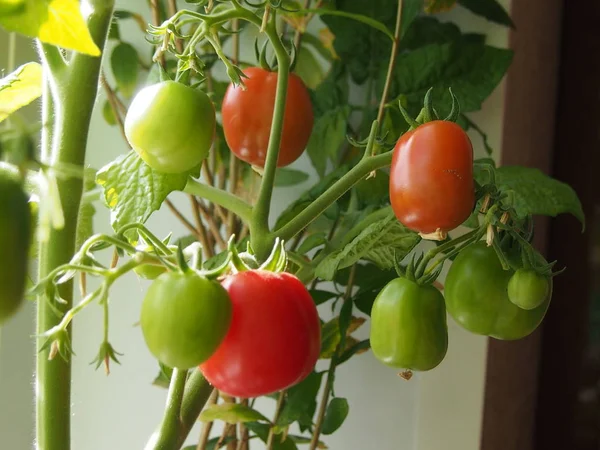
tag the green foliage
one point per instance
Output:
(231, 413)
(380, 242)
(530, 191)
(490, 9)
(124, 62)
(337, 411)
(133, 191)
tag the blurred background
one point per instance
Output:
(538, 393)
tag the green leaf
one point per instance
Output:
(337, 411)
(301, 402)
(429, 30)
(312, 241)
(375, 24)
(331, 332)
(163, 379)
(333, 92)
(320, 297)
(133, 191)
(379, 242)
(108, 114)
(328, 135)
(308, 68)
(472, 70)
(361, 47)
(536, 193)
(20, 88)
(490, 9)
(231, 413)
(438, 6)
(358, 347)
(211, 444)
(124, 63)
(289, 177)
(56, 22)
(262, 431)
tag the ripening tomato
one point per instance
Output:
(431, 177)
(274, 338)
(247, 116)
(171, 126)
(528, 289)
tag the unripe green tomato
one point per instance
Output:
(476, 292)
(171, 126)
(184, 318)
(150, 271)
(15, 238)
(527, 289)
(408, 326)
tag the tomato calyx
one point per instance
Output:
(428, 112)
(242, 262)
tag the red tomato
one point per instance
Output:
(274, 338)
(247, 116)
(431, 177)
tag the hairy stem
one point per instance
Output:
(68, 105)
(169, 427)
(223, 198)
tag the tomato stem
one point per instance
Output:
(259, 226)
(69, 97)
(168, 431)
(220, 197)
(278, 409)
(339, 188)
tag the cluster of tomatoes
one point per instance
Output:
(432, 191)
(254, 333)
(259, 332)
(172, 126)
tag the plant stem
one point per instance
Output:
(167, 434)
(312, 211)
(223, 198)
(314, 442)
(208, 250)
(279, 407)
(73, 93)
(259, 226)
(392, 63)
(183, 220)
(196, 393)
(207, 426)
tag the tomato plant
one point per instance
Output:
(408, 326)
(15, 238)
(476, 292)
(274, 338)
(230, 299)
(528, 289)
(184, 318)
(171, 126)
(248, 114)
(431, 177)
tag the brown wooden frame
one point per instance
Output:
(528, 139)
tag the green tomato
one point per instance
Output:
(184, 318)
(528, 289)
(408, 326)
(476, 292)
(171, 126)
(15, 238)
(150, 271)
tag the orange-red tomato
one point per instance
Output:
(431, 177)
(247, 116)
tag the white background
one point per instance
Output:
(438, 410)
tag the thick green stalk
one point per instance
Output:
(166, 437)
(69, 109)
(173, 433)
